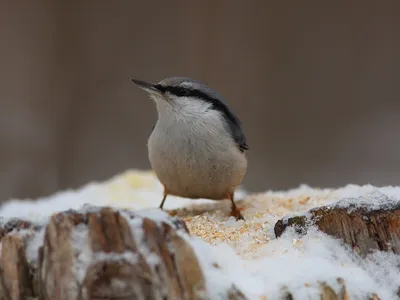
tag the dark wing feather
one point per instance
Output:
(236, 129)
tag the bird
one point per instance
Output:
(197, 148)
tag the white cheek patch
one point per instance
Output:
(194, 106)
(189, 110)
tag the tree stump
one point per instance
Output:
(365, 227)
(99, 254)
(102, 253)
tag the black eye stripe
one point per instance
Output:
(215, 103)
(160, 88)
(187, 92)
(180, 91)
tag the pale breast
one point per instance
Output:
(197, 161)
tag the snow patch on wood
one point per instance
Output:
(236, 260)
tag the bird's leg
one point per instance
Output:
(164, 197)
(234, 210)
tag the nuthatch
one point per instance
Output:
(197, 147)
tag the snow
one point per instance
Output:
(299, 264)
(33, 247)
(353, 197)
(82, 252)
(139, 237)
(133, 189)
(374, 200)
(245, 255)
(156, 215)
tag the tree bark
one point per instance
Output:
(364, 229)
(107, 254)
(101, 254)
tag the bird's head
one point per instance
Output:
(182, 95)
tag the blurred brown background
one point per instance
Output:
(315, 86)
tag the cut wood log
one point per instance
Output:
(15, 275)
(15, 272)
(328, 293)
(364, 228)
(101, 254)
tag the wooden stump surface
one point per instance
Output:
(101, 254)
(364, 229)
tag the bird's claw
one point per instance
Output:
(237, 214)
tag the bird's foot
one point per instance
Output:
(237, 214)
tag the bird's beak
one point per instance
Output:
(147, 86)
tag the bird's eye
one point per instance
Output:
(185, 92)
(160, 88)
(179, 91)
